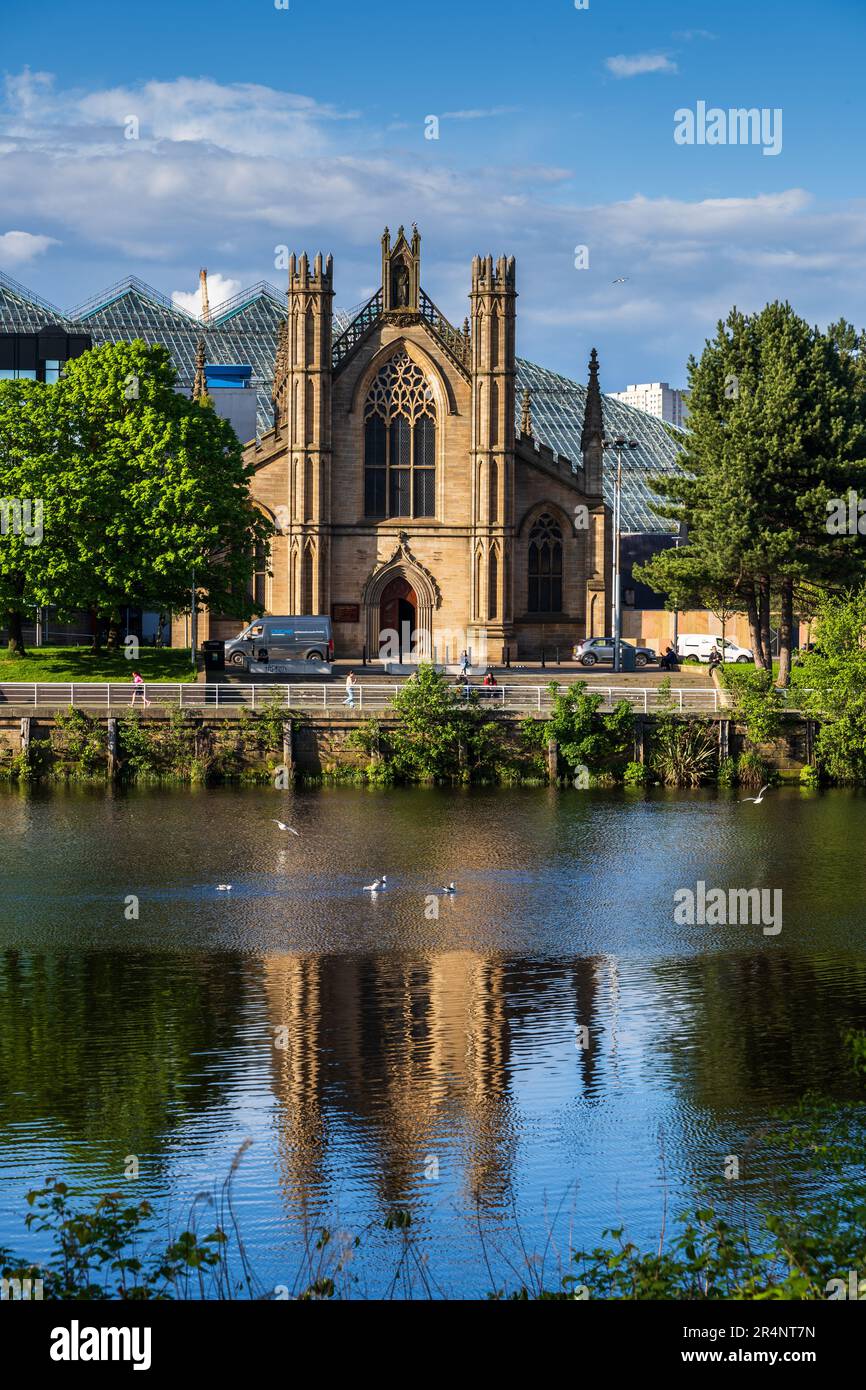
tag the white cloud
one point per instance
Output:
(635, 64)
(213, 181)
(18, 247)
(219, 289)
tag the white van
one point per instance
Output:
(701, 644)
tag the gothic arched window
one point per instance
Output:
(400, 442)
(545, 567)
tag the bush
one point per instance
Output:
(636, 775)
(758, 704)
(584, 737)
(810, 776)
(751, 770)
(727, 773)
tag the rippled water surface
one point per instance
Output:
(381, 1056)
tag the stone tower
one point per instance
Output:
(302, 409)
(493, 372)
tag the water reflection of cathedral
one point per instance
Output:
(396, 1052)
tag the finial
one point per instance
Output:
(199, 385)
(526, 415)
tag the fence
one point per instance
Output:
(512, 698)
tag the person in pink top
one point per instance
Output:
(138, 683)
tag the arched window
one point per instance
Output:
(493, 495)
(400, 442)
(307, 581)
(259, 584)
(492, 585)
(545, 567)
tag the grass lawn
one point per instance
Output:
(80, 664)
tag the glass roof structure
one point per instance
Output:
(558, 406)
(243, 331)
(22, 311)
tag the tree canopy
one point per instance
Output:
(777, 431)
(137, 484)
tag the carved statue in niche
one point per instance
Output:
(401, 287)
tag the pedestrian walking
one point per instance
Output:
(351, 682)
(464, 663)
(139, 689)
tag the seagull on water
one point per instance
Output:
(224, 888)
(379, 883)
(449, 888)
(282, 825)
(759, 798)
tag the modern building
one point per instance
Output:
(656, 398)
(36, 339)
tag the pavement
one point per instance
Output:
(531, 672)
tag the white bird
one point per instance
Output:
(282, 825)
(621, 281)
(759, 798)
(374, 887)
(224, 888)
(449, 888)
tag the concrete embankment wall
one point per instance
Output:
(311, 746)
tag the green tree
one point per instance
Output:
(777, 431)
(832, 686)
(442, 735)
(139, 486)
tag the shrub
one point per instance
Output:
(727, 773)
(636, 775)
(584, 737)
(751, 769)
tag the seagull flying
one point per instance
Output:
(759, 798)
(449, 887)
(374, 887)
(621, 281)
(282, 825)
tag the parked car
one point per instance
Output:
(275, 638)
(701, 644)
(595, 649)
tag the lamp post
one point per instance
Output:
(193, 621)
(619, 442)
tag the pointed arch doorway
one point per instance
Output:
(398, 612)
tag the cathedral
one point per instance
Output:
(410, 500)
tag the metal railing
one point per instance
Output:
(369, 697)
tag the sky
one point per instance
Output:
(155, 139)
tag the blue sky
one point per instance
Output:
(260, 127)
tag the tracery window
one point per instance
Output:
(400, 442)
(545, 566)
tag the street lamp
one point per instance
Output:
(618, 442)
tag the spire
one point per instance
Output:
(593, 422)
(526, 415)
(199, 385)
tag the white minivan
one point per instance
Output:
(701, 644)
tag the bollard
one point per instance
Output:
(552, 761)
(289, 747)
(113, 760)
(542, 659)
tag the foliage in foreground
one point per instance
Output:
(833, 687)
(794, 1251)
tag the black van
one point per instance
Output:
(284, 638)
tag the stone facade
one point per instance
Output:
(406, 503)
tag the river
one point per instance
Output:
(409, 1050)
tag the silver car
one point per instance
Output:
(595, 649)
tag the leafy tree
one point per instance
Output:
(584, 737)
(26, 451)
(442, 735)
(139, 486)
(777, 431)
(832, 686)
